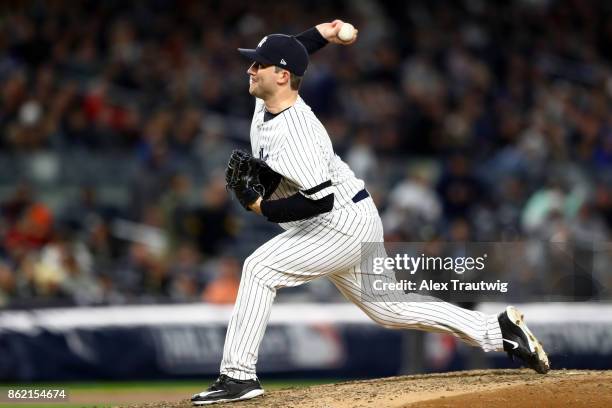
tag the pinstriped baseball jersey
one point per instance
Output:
(296, 145)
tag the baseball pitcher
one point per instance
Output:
(293, 177)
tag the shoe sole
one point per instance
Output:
(248, 395)
(535, 346)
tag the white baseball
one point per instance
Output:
(347, 32)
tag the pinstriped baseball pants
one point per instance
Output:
(331, 246)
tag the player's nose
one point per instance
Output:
(251, 70)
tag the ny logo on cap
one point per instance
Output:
(283, 62)
(263, 40)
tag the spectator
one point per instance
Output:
(413, 204)
(211, 225)
(8, 285)
(224, 287)
(186, 273)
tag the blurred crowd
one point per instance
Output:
(469, 120)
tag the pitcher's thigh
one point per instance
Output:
(297, 256)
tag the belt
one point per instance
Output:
(361, 195)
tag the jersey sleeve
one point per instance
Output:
(299, 156)
(312, 40)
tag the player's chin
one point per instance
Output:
(253, 90)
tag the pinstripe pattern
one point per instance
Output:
(296, 145)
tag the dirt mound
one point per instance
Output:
(481, 388)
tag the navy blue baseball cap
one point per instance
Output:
(281, 50)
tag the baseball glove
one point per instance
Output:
(250, 178)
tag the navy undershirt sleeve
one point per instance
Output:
(296, 207)
(312, 40)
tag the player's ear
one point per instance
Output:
(284, 77)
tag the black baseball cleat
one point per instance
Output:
(520, 342)
(227, 389)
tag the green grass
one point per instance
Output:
(124, 387)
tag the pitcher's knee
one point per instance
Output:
(254, 269)
(391, 317)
